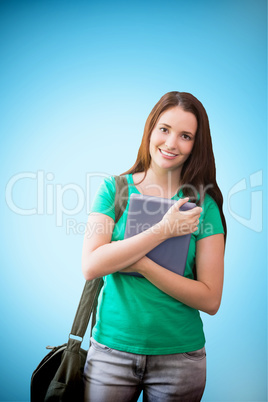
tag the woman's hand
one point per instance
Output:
(136, 267)
(179, 223)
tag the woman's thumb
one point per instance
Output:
(180, 202)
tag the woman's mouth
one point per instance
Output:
(167, 155)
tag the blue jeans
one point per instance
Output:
(114, 376)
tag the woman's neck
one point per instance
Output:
(162, 184)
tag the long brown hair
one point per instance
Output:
(198, 173)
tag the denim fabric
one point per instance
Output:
(115, 376)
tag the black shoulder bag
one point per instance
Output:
(59, 376)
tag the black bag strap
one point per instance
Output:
(121, 196)
(90, 293)
(89, 298)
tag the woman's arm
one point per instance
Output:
(100, 257)
(202, 294)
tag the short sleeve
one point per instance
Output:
(210, 222)
(103, 201)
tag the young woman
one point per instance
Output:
(149, 334)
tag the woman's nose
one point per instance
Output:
(171, 142)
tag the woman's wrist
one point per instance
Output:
(159, 229)
(143, 265)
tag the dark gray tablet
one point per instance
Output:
(144, 212)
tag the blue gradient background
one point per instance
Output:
(78, 80)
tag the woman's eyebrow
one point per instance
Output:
(164, 124)
(167, 125)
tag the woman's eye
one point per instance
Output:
(186, 137)
(163, 129)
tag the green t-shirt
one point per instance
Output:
(135, 316)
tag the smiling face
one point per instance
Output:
(172, 139)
